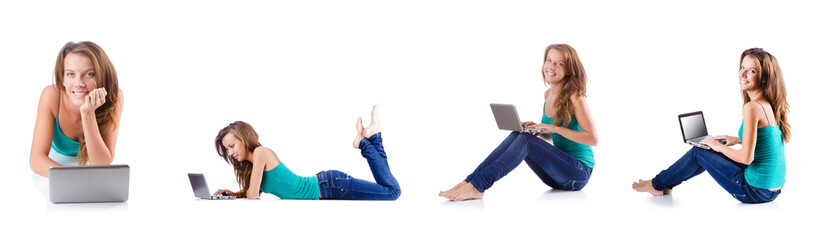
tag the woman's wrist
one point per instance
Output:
(87, 113)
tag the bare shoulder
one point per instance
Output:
(121, 95)
(751, 109)
(265, 154)
(578, 99)
(50, 98)
(120, 102)
(263, 151)
(50, 92)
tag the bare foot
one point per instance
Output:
(646, 186)
(359, 136)
(445, 193)
(464, 192)
(374, 125)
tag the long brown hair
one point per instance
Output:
(574, 82)
(772, 85)
(105, 78)
(249, 138)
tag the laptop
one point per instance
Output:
(507, 119)
(693, 128)
(201, 190)
(87, 184)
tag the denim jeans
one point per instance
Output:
(335, 184)
(554, 167)
(729, 174)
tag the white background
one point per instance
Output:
(301, 72)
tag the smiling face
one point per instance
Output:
(748, 74)
(79, 77)
(235, 148)
(554, 68)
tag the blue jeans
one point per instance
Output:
(554, 167)
(339, 185)
(729, 174)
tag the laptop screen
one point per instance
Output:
(693, 126)
(200, 188)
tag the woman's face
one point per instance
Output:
(554, 67)
(235, 148)
(748, 74)
(80, 77)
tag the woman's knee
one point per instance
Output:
(396, 192)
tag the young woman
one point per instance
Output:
(78, 116)
(258, 169)
(566, 163)
(756, 172)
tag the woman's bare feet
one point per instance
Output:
(374, 125)
(445, 193)
(646, 186)
(464, 192)
(359, 136)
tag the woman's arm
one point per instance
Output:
(744, 155)
(262, 157)
(101, 147)
(729, 140)
(588, 135)
(43, 133)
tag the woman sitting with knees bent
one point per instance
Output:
(565, 164)
(754, 173)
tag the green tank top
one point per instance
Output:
(62, 144)
(580, 151)
(767, 171)
(287, 185)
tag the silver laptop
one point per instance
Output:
(693, 128)
(507, 119)
(200, 188)
(84, 184)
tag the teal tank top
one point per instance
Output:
(580, 151)
(287, 185)
(62, 144)
(767, 171)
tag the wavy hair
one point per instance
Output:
(249, 138)
(772, 85)
(105, 78)
(574, 82)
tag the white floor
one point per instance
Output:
(516, 207)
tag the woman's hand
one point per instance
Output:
(225, 192)
(527, 124)
(549, 127)
(729, 140)
(94, 100)
(714, 143)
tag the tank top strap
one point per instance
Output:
(764, 113)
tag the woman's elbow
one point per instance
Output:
(593, 141)
(37, 167)
(252, 196)
(101, 162)
(106, 160)
(33, 164)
